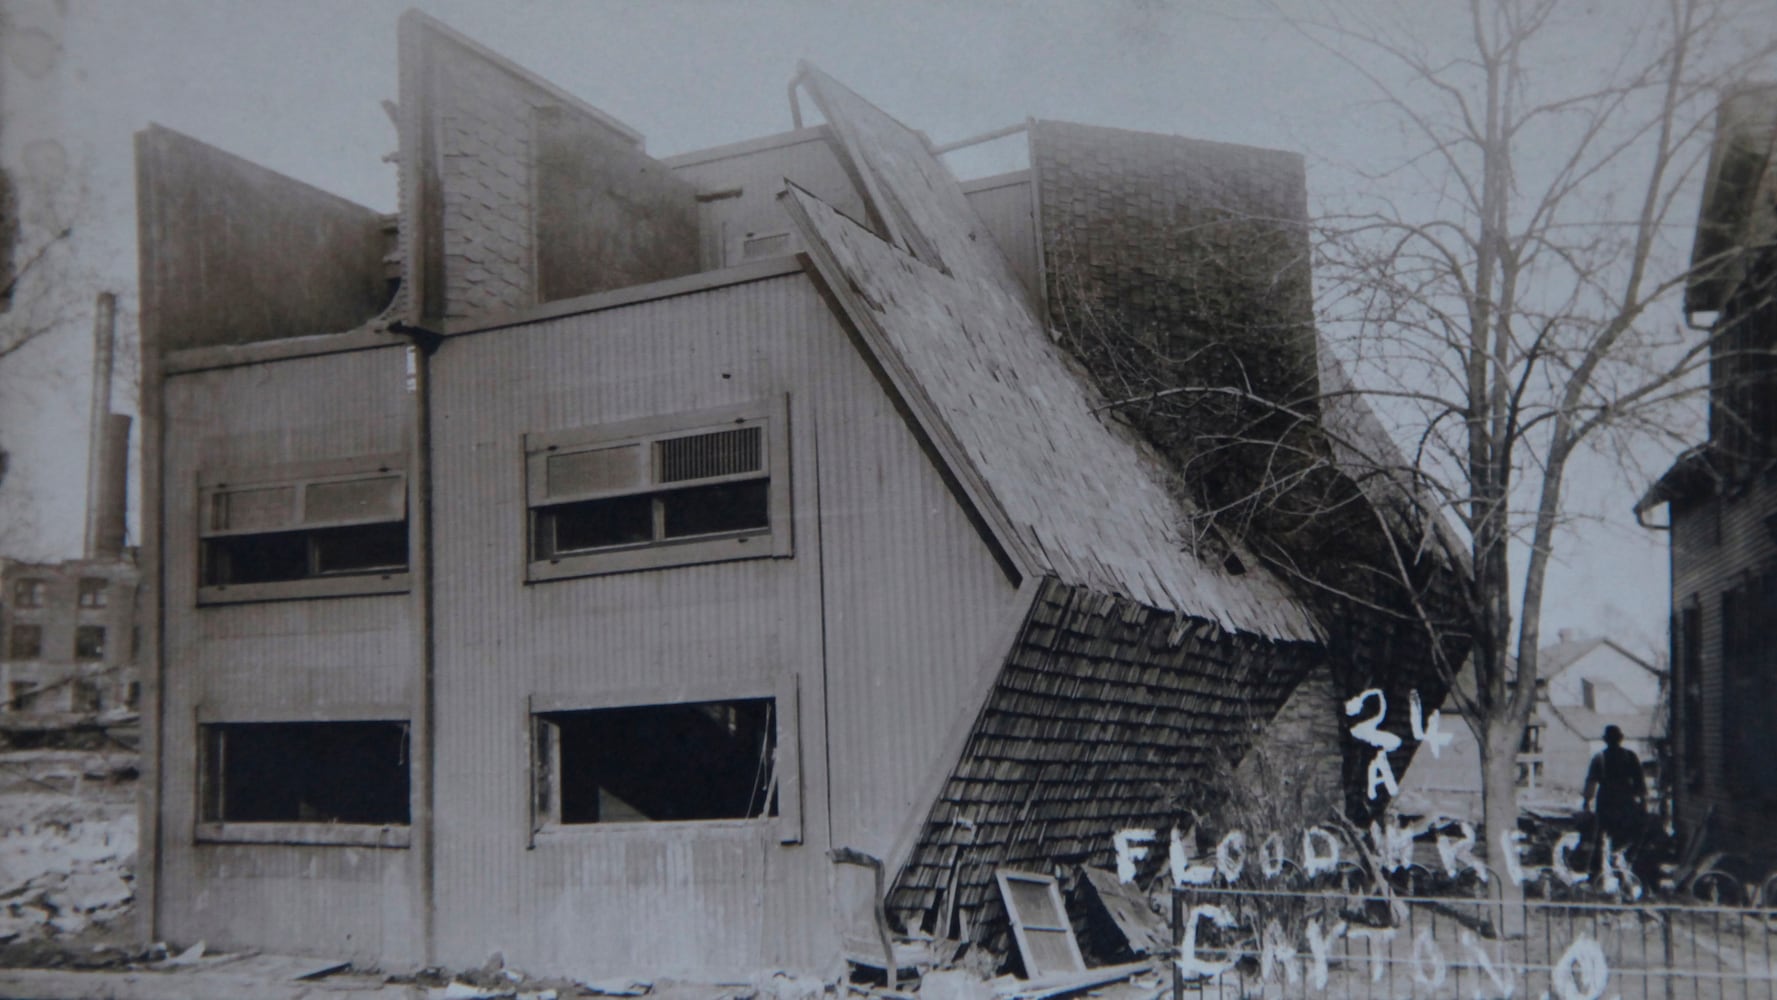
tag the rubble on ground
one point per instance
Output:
(66, 865)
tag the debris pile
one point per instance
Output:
(65, 865)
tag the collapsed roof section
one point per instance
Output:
(233, 253)
(514, 192)
(1073, 494)
(1100, 717)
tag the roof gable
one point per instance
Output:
(940, 306)
(1555, 659)
(1738, 195)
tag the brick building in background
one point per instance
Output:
(70, 641)
(69, 632)
(1722, 498)
(670, 523)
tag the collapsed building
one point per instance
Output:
(568, 563)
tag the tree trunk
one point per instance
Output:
(1499, 809)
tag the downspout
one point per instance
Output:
(422, 344)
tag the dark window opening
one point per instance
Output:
(89, 642)
(86, 695)
(594, 524)
(132, 697)
(643, 519)
(712, 510)
(365, 548)
(306, 772)
(653, 492)
(300, 555)
(1748, 695)
(1532, 740)
(92, 592)
(27, 642)
(697, 761)
(21, 696)
(1690, 681)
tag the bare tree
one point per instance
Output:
(1505, 299)
(1529, 310)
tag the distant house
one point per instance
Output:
(1722, 501)
(564, 565)
(1588, 683)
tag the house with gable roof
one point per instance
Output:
(1588, 683)
(565, 564)
(1721, 504)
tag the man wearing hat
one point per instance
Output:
(1616, 793)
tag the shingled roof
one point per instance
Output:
(1079, 495)
(1100, 715)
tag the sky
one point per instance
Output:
(297, 87)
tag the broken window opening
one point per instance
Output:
(714, 760)
(89, 642)
(306, 772)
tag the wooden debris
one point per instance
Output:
(1121, 909)
(1048, 987)
(1045, 938)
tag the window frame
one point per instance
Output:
(293, 832)
(94, 592)
(12, 640)
(783, 688)
(775, 540)
(298, 476)
(82, 653)
(29, 592)
(22, 695)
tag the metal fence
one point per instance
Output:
(1236, 943)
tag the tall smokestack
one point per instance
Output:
(104, 339)
(114, 484)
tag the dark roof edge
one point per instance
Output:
(1691, 475)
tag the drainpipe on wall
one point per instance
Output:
(422, 344)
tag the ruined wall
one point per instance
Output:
(316, 659)
(514, 192)
(880, 612)
(233, 253)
